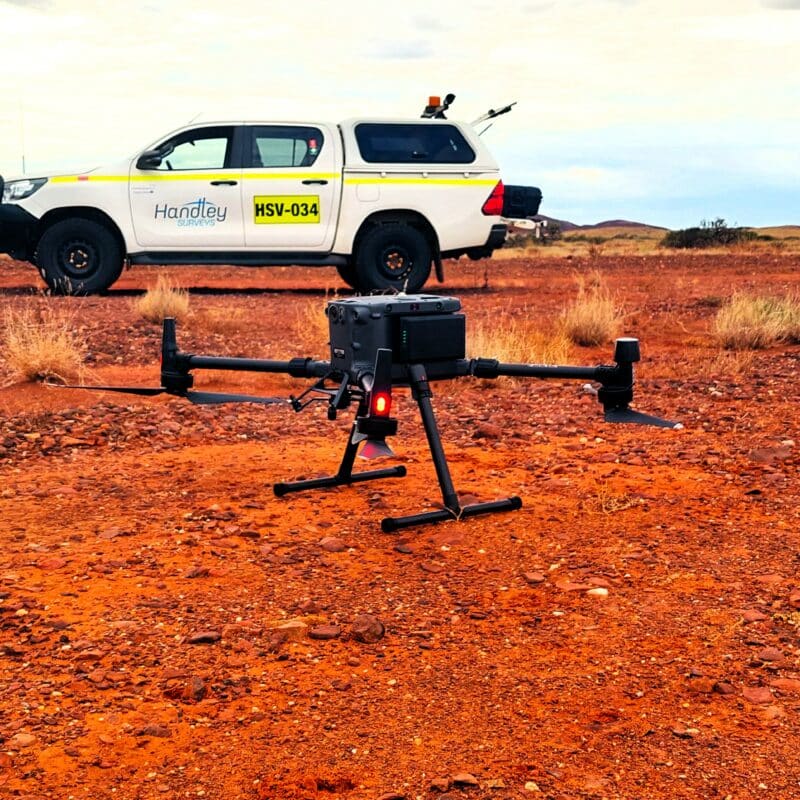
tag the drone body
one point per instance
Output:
(377, 343)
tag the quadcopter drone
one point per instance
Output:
(378, 343)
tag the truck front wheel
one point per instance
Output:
(78, 256)
(393, 256)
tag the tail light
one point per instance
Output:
(493, 207)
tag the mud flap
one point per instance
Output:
(439, 269)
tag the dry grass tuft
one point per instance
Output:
(606, 500)
(593, 318)
(165, 299)
(515, 338)
(221, 320)
(310, 325)
(41, 345)
(748, 322)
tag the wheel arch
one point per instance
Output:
(409, 217)
(81, 212)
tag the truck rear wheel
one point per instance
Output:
(393, 256)
(78, 256)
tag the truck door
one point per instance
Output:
(192, 198)
(290, 187)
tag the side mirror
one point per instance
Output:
(150, 159)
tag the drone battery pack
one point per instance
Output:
(416, 328)
(436, 337)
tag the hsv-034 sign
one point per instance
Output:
(282, 209)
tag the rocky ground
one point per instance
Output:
(169, 628)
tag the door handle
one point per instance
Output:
(224, 183)
(321, 183)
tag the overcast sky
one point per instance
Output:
(661, 112)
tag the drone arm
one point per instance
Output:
(490, 368)
(296, 367)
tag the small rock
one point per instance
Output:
(465, 779)
(753, 615)
(598, 591)
(367, 629)
(197, 572)
(440, 784)
(156, 730)
(786, 684)
(534, 578)
(495, 783)
(487, 430)
(532, 786)
(392, 796)
(332, 544)
(325, 632)
(757, 694)
(794, 599)
(204, 637)
(770, 654)
(723, 688)
(292, 631)
(195, 689)
(20, 740)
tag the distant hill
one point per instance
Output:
(566, 225)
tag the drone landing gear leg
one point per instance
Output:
(345, 475)
(452, 509)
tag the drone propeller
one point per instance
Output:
(147, 391)
(213, 398)
(198, 398)
(638, 418)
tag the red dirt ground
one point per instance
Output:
(131, 525)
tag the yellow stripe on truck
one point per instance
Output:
(274, 176)
(197, 176)
(422, 181)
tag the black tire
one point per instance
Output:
(393, 256)
(79, 256)
(347, 272)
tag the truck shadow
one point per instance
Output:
(32, 291)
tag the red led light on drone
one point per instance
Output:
(381, 404)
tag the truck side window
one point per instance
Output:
(283, 146)
(203, 148)
(412, 143)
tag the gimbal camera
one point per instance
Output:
(378, 343)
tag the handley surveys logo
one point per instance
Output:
(200, 213)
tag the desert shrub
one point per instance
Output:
(593, 317)
(516, 338)
(165, 299)
(748, 322)
(714, 233)
(221, 320)
(41, 345)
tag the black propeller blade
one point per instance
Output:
(147, 391)
(199, 398)
(638, 418)
(213, 398)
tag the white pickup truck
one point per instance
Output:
(381, 200)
